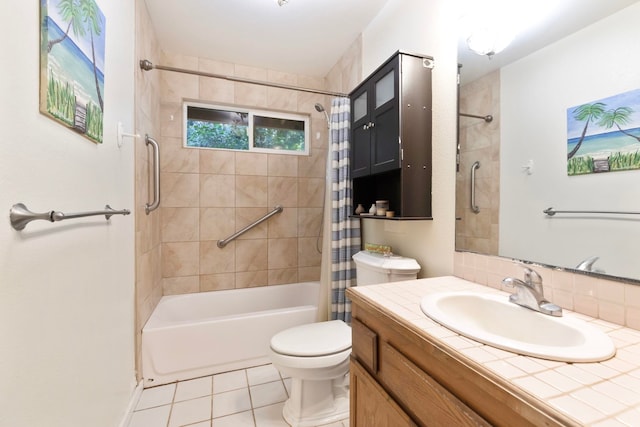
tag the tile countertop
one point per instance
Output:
(600, 394)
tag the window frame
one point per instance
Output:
(305, 118)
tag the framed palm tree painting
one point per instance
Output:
(604, 135)
(72, 46)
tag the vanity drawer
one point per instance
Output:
(364, 345)
(419, 394)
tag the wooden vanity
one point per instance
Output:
(403, 376)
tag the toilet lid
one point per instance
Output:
(313, 339)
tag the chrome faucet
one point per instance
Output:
(587, 265)
(529, 293)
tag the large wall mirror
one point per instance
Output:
(582, 52)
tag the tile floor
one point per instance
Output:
(251, 397)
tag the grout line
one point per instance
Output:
(175, 391)
(171, 404)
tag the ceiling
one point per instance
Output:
(544, 21)
(309, 36)
(304, 36)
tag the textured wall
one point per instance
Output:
(479, 141)
(210, 194)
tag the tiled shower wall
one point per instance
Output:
(147, 113)
(479, 141)
(207, 194)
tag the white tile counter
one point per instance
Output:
(599, 394)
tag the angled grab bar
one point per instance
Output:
(149, 207)
(488, 118)
(222, 243)
(20, 215)
(474, 207)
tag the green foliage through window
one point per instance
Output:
(215, 127)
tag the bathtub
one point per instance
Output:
(193, 335)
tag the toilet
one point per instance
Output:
(316, 355)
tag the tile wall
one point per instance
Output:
(210, 194)
(479, 141)
(614, 301)
(147, 228)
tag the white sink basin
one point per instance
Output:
(493, 320)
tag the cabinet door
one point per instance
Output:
(385, 148)
(424, 398)
(360, 156)
(371, 406)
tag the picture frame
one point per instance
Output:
(72, 58)
(604, 135)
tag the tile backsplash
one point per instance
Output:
(611, 300)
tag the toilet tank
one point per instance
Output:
(372, 268)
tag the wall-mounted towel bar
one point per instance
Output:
(222, 243)
(20, 216)
(552, 212)
(149, 207)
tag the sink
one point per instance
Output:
(493, 320)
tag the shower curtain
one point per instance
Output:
(345, 232)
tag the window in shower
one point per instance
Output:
(209, 126)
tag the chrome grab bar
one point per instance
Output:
(474, 167)
(222, 243)
(149, 207)
(20, 216)
(552, 212)
(488, 118)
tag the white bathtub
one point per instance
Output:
(194, 335)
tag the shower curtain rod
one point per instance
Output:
(487, 118)
(147, 65)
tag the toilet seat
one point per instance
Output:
(313, 339)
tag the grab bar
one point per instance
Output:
(20, 216)
(149, 207)
(552, 212)
(474, 167)
(488, 118)
(222, 243)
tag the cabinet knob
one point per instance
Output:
(371, 124)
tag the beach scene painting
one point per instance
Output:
(72, 47)
(604, 135)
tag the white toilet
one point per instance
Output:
(316, 355)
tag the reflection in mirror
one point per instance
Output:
(523, 151)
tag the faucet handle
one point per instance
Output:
(532, 276)
(512, 282)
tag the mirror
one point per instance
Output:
(532, 89)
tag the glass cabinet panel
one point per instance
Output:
(384, 89)
(360, 107)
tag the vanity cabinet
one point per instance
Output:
(390, 153)
(402, 377)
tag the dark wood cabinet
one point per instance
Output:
(391, 136)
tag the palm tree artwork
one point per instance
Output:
(72, 56)
(604, 136)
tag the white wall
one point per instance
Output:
(66, 289)
(595, 63)
(425, 27)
